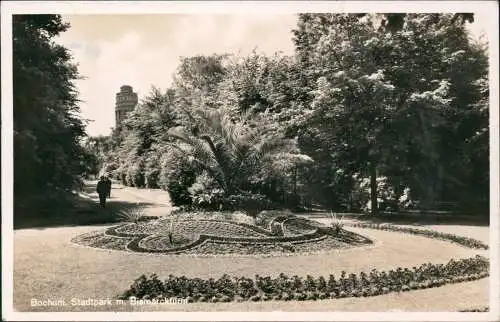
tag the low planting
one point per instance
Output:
(134, 215)
(196, 214)
(99, 240)
(283, 287)
(464, 241)
(226, 233)
(225, 243)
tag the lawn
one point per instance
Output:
(48, 265)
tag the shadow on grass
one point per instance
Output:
(79, 212)
(421, 220)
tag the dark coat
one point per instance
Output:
(102, 187)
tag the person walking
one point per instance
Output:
(108, 186)
(102, 191)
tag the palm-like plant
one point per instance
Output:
(335, 223)
(132, 215)
(231, 151)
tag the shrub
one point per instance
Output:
(176, 176)
(134, 175)
(336, 224)
(152, 172)
(301, 289)
(388, 197)
(151, 178)
(132, 215)
(248, 202)
(405, 200)
(205, 192)
(464, 241)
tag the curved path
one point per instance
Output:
(48, 266)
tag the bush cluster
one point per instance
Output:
(283, 287)
(250, 202)
(205, 193)
(464, 241)
(390, 197)
(176, 176)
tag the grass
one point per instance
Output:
(422, 219)
(82, 212)
(46, 263)
(79, 210)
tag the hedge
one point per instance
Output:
(283, 287)
(464, 241)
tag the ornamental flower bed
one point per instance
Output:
(298, 226)
(283, 287)
(194, 228)
(99, 240)
(164, 242)
(464, 241)
(216, 228)
(210, 244)
(209, 236)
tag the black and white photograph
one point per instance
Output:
(250, 160)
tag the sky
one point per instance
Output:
(144, 50)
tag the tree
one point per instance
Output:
(352, 100)
(98, 148)
(48, 156)
(197, 78)
(403, 95)
(233, 153)
(437, 70)
(141, 139)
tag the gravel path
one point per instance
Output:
(48, 266)
(156, 202)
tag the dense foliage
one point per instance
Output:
(48, 156)
(373, 112)
(283, 287)
(405, 104)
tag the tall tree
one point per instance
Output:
(404, 98)
(352, 100)
(48, 157)
(142, 138)
(437, 70)
(197, 78)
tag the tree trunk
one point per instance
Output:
(373, 188)
(295, 181)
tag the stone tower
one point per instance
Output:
(126, 101)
